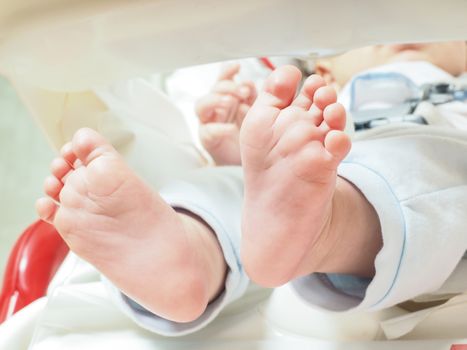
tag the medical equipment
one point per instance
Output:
(59, 54)
(402, 111)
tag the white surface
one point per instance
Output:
(78, 44)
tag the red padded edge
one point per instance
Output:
(35, 258)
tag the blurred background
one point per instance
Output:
(24, 163)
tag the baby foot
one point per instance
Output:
(221, 114)
(111, 218)
(291, 148)
(221, 141)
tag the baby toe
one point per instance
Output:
(338, 144)
(306, 96)
(46, 209)
(324, 96)
(87, 145)
(280, 87)
(52, 187)
(335, 117)
(60, 167)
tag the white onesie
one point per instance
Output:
(415, 176)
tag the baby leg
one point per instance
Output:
(293, 213)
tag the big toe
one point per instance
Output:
(280, 87)
(88, 144)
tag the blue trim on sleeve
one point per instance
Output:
(404, 238)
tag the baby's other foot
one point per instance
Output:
(291, 147)
(221, 141)
(111, 218)
(221, 114)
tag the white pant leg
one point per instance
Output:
(416, 179)
(215, 195)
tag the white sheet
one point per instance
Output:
(77, 314)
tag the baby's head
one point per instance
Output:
(450, 56)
